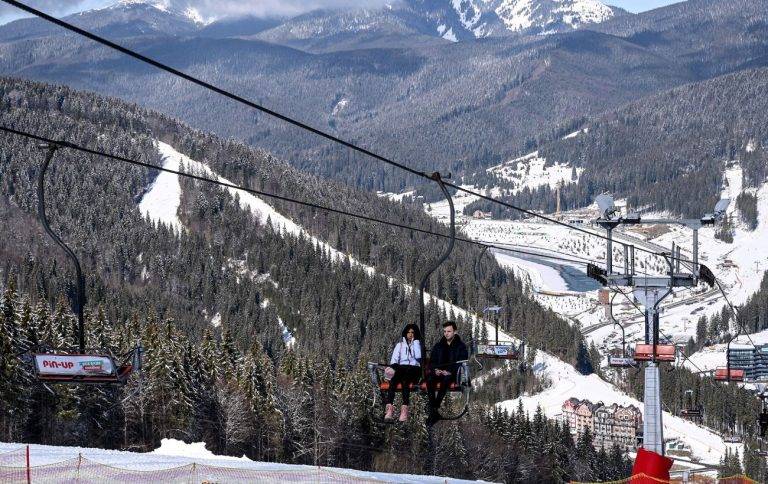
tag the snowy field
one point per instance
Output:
(175, 454)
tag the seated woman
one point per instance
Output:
(406, 363)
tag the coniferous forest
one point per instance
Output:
(235, 384)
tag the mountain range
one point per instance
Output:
(389, 80)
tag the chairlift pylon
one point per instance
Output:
(80, 366)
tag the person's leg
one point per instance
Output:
(411, 375)
(397, 378)
(445, 381)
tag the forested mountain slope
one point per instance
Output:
(667, 151)
(94, 204)
(444, 106)
(233, 383)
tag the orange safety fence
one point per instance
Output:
(82, 470)
(643, 478)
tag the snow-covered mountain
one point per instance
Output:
(552, 15)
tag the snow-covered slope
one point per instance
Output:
(551, 15)
(566, 382)
(174, 454)
(531, 171)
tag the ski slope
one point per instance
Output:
(174, 454)
(163, 199)
(565, 382)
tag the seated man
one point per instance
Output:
(445, 354)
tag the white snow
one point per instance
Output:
(530, 172)
(195, 450)
(397, 197)
(174, 453)
(259, 208)
(449, 35)
(162, 200)
(339, 107)
(469, 13)
(522, 14)
(541, 277)
(288, 337)
(216, 320)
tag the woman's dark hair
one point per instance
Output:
(416, 332)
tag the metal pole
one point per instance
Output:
(609, 253)
(79, 302)
(433, 268)
(497, 328)
(626, 260)
(695, 267)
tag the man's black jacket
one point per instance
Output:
(444, 355)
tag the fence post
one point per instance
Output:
(79, 461)
(29, 470)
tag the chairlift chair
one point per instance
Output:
(462, 385)
(461, 388)
(726, 374)
(691, 411)
(88, 368)
(625, 360)
(495, 349)
(76, 366)
(659, 353)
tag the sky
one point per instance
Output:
(639, 5)
(255, 7)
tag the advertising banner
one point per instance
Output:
(501, 351)
(74, 365)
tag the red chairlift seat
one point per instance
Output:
(452, 387)
(736, 374)
(645, 352)
(502, 351)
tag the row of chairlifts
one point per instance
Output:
(80, 365)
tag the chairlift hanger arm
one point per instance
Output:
(79, 302)
(425, 279)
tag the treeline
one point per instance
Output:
(241, 401)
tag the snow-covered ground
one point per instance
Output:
(565, 382)
(530, 171)
(175, 454)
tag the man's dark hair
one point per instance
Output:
(450, 323)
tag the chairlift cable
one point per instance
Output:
(73, 146)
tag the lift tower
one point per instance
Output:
(650, 291)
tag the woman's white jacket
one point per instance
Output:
(406, 354)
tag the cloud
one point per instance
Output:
(267, 8)
(209, 9)
(53, 7)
